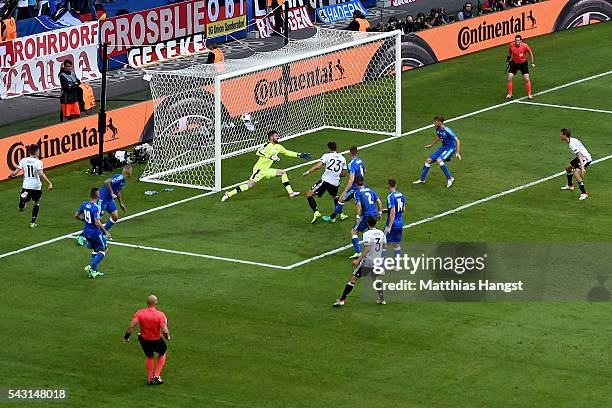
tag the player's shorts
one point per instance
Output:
(260, 174)
(28, 194)
(320, 187)
(362, 270)
(108, 206)
(576, 163)
(96, 242)
(152, 346)
(70, 109)
(395, 235)
(363, 223)
(445, 153)
(350, 194)
(514, 67)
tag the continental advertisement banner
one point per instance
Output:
(491, 30)
(78, 139)
(303, 79)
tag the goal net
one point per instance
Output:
(207, 113)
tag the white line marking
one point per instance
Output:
(550, 105)
(449, 212)
(377, 142)
(50, 241)
(217, 258)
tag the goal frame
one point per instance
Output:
(218, 159)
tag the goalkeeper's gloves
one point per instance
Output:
(507, 59)
(275, 158)
(305, 156)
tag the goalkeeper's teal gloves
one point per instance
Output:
(305, 156)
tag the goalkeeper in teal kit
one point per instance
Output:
(268, 154)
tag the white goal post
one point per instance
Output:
(335, 79)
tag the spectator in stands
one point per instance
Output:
(489, 6)
(359, 23)
(409, 26)
(436, 17)
(215, 55)
(466, 12)
(444, 15)
(70, 97)
(393, 24)
(421, 22)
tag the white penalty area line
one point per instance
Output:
(193, 254)
(550, 105)
(449, 212)
(377, 142)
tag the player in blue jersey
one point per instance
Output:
(356, 168)
(368, 205)
(450, 145)
(93, 231)
(111, 191)
(396, 204)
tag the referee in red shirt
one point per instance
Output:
(517, 58)
(153, 324)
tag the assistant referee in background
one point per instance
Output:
(517, 61)
(153, 324)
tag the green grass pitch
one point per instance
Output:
(248, 335)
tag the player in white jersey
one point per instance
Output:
(374, 243)
(577, 167)
(32, 186)
(335, 167)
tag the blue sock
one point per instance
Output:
(355, 242)
(96, 259)
(445, 169)
(425, 171)
(397, 251)
(337, 210)
(109, 224)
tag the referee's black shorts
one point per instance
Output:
(320, 187)
(152, 346)
(514, 67)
